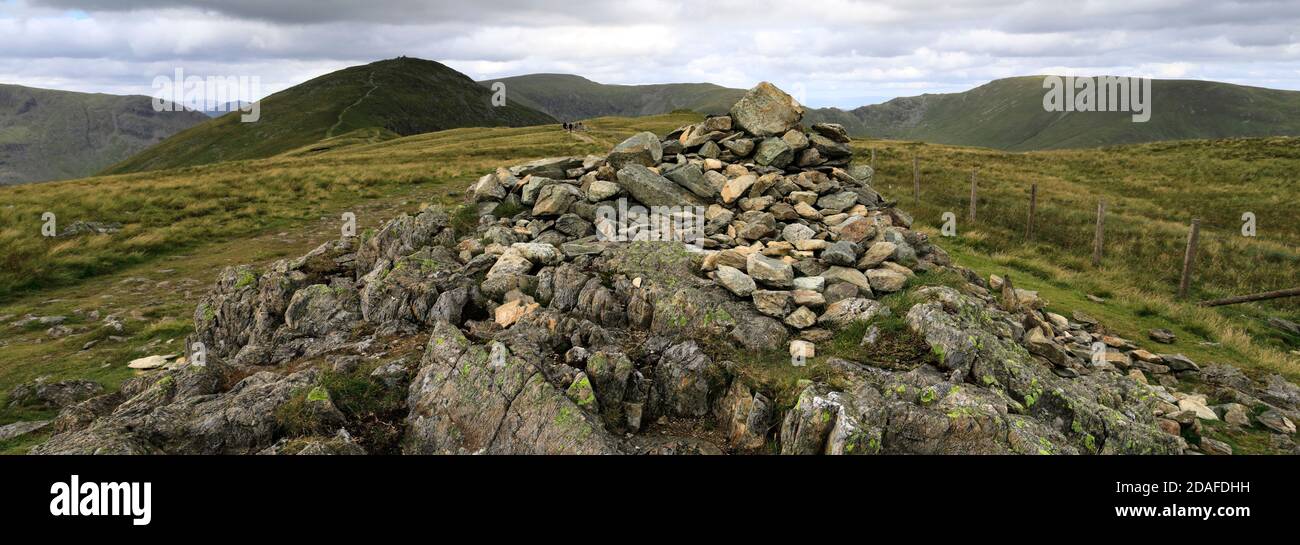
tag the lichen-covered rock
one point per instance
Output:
(1100, 412)
(745, 416)
(686, 382)
(652, 189)
(766, 111)
(639, 149)
(53, 395)
(462, 402)
(183, 413)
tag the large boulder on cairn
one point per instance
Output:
(652, 189)
(640, 149)
(766, 111)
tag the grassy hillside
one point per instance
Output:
(1152, 191)
(405, 96)
(55, 135)
(183, 225)
(1008, 114)
(572, 98)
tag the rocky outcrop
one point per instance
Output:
(53, 395)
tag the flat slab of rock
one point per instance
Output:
(652, 189)
(150, 362)
(19, 429)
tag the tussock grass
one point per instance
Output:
(1152, 191)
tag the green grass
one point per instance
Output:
(1152, 192)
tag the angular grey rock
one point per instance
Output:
(829, 148)
(53, 395)
(886, 281)
(1276, 421)
(760, 333)
(843, 253)
(550, 167)
(801, 318)
(735, 281)
(810, 283)
(528, 193)
(770, 272)
(1179, 362)
(692, 178)
(849, 275)
(651, 189)
(796, 232)
(461, 402)
(1163, 336)
(639, 149)
(600, 190)
(555, 199)
(766, 111)
(838, 201)
(774, 152)
(745, 416)
(846, 311)
(741, 147)
(833, 131)
(686, 382)
(19, 429)
(318, 310)
(773, 303)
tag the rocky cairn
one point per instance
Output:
(549, 315)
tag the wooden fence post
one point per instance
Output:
(1099, 237)
(973, 195)
(916, 179)
(1189, 258)
(873, 158)
(1033, 207)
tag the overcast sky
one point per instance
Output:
(828, 52)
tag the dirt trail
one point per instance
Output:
(369, 81)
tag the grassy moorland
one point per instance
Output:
(1152, 191)
(182, 225)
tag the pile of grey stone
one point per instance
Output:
(788, 222)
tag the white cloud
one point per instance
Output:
(841, 52)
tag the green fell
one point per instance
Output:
(402, 96)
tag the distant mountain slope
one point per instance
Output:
(53, 135)
(571, 98)
(1008, 114)
(404, 95)
(1005, 114)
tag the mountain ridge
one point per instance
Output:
(49, 134)
(404, 95)
(1003, 114)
